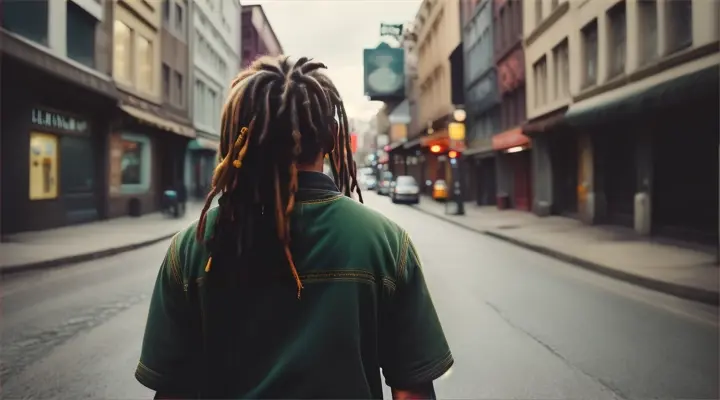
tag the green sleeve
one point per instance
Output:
(413, 348)
(166, 357)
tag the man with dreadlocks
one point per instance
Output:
(290, 288)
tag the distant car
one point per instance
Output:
(383, 187)
(370, 182)
(440, 190)
(405, 189)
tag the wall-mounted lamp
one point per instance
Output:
(459, 115)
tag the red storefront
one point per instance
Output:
(514, 154)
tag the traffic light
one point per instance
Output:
(452, 154)
(435, 148)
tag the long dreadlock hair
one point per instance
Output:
(279, 114)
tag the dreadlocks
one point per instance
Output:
(279, 114)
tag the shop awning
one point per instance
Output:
(203, 144)
(545, 123)
(510, 138)
(158, 122)
(645, 95)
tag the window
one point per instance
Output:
(80, 35)
(179, 18)
(679, 14)
(143, 60)
(618, 39)
(590, 51)
(27, 18)
(166, 10)
(648, 30)
(562, 70)
(131, 162)
(541, 81)
(538, 12)
(200, 106)
(179, 88)
(121, 51)
(166, 81)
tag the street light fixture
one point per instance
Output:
(459, 115)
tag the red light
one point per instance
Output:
(435, 148)
(387, 148)
(452, 154)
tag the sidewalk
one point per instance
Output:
(77, 243)
(614, 251)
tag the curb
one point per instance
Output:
(77, 258)
(686, 292)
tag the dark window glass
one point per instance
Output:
(131, 162)
(77, 165)
(27, 18)
(166, 10)
(179, 18)
(80, 35)
(590, 47)
(618, 38)
(166, 81)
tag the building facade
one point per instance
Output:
(215, 38)
(438, 35)
(146, 145)
(481, 100)
(645, 91)
(556, 170)
(175, 79)
(58, 103)
(512, 147)
(258, 37)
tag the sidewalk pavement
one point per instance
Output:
(72, 244)
(686, 271)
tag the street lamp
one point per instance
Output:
(459, 115)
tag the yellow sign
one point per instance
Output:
(398, 133)
(456, 131)
(43, 166)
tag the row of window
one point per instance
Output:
(133, 56)
(173, 86)
(678, 37)
(205, 51)
(207, 105)
(174, 16)
(30, 20)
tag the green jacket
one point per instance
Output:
(365, 309)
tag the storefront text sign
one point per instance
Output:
(57, 121)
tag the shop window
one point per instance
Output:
(27, 18)
(122, 42)
(618, 39)
(590, 52)
(143, 60)
(135, 163)
(77, 170)
(679, 32)
(648, 30)
(43, 166)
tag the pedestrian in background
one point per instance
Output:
(290, 288)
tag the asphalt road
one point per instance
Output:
(521, 325)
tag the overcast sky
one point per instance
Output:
(336, 32)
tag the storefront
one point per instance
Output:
(655, 153)
(52, 145)
(202, 157)
(147, 157)
(514, 169)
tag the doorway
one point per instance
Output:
(77, 179)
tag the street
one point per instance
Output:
(521, 325)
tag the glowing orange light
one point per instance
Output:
(435, 148)
(452, 154)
